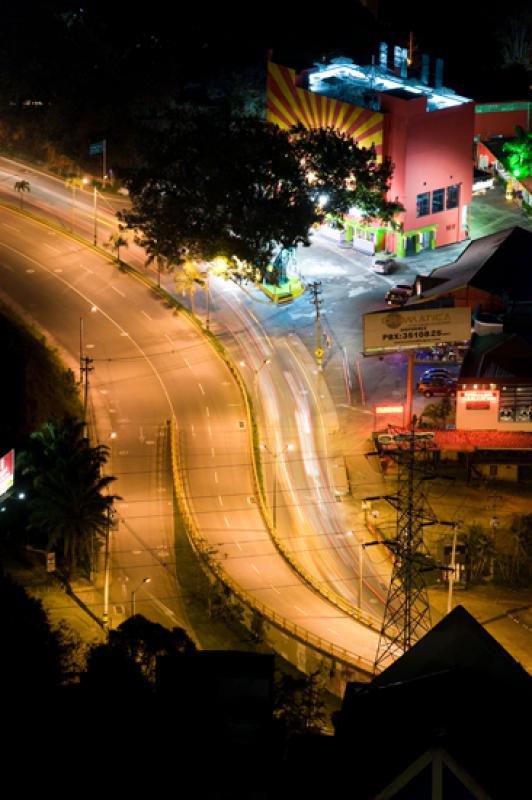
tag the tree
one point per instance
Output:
(345, 175)
(31, 652)
(520, 150)
(238, 188)
(480, 549)
(69, 503)
(299, 701)
(438, 412)
(117, 241)
(21, 187)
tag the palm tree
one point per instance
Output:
(189, 276)
(21, 187)
(69, 499)
(118, 240)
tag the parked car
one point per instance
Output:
(435, 372)
(383, 266)
(399, 294)
(437, 384)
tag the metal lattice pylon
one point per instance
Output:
(407, 612)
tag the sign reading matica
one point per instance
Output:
(413, 328)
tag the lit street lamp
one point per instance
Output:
(133, 593)
(275, 456)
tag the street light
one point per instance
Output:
(275, 456)
(133, 593)
(94, 208)
(452, 569)
(265, 362)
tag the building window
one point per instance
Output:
(438, 199)
(423, 204)
(453, 196)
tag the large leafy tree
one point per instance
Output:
(69, 499)
(239, 188)
(345, 175)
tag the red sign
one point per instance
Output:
(7, 472)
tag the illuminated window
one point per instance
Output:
(438, 200)
(453, 196)
(423, 204)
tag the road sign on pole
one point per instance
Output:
(50, 562)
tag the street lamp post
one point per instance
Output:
(265, 362)
(94, 210)
(134, 592)
(275, 456)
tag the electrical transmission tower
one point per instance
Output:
(407, 611)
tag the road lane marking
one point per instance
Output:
(117, 291)
(301, 611)
(30, 271)
(212, 452)
(275, 589)
(171, 342)
(55, 250)
(209, 429)
(192, 430)
(238, 545)
(257, 570)
(186, 362)
(207, 411)
(215, 477)
(146, 315)
(202, 390)
(11, 227)
(220, 500)
(227, 523)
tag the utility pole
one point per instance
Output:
(316, 301)
(85, 369)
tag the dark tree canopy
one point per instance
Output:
(241, 189)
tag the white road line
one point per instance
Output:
(212, 452)
(220, 500)
(215, 477)
(238, 545)
(202, 390)
(11, 227)
(275, 589)
(171, 342)
(207, 411)
(333, 631)
(209, 429)
(146, 315)
(6, 266)
(55, 250)
(227, 523)
(257, 570)
(117, 291)
(193, 432)
(186, 362)
(300, 611)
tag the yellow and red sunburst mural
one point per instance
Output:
(288, 105)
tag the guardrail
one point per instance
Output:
(332, 597)
(324, 647)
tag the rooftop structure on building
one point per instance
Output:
(361, 85)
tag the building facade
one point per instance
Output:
(427, 132)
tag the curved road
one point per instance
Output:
(150, 363)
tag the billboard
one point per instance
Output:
(409, 329)
(7, 472)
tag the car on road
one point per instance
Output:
(383, 266)
(437, 384)
(399, 294)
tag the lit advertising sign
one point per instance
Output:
(411, 328)
(389, 409)
(7, 472)
(478, 394)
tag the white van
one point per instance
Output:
(383, 265)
